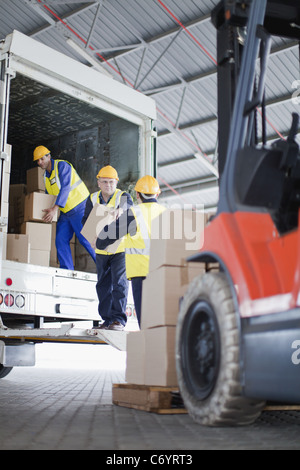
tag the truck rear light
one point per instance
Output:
(8, 281)
(20, 301)
(1, 299)
(9, 300)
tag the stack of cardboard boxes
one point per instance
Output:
(31, 238)
(176, 235)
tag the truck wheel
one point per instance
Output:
(4, 371)
(208, 355)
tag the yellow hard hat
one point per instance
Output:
(108, 172)
(147, 185)
(40, 152)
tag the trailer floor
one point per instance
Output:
(69, 407)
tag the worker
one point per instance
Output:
(112, 284)
(135, 224)
(62, 180)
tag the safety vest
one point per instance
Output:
(137, 251)
(114, 202)
(78, 191)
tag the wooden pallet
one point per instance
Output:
(161, 400)
(281, 407)
(165, 400)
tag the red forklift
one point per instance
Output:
(238, 332)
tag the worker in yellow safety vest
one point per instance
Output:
(135, 223)
(112, 283)
(62, 181)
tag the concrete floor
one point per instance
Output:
(65, 403)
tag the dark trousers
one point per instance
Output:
(112, 287)
(137, 287)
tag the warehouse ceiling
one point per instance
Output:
(166, 49)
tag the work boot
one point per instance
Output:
(116, 325)
(103, 326)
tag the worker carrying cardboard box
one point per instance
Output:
(135, 224)
(112, 283)
(62, 181)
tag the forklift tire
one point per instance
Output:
(4, 371)
(208, 355)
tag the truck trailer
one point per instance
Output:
(89, 119)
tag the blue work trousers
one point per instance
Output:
(112, 287)
(67, 224)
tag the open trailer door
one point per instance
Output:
(5, 77)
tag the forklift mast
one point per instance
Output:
(244, 30)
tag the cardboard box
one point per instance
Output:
(5, 187)
(39, 257)
(53, 255)
(35, 203)
(17, 193)
(39, 235)
(151, 357)
(53, 252)
(175, 235)
(162, 291)
(53, 233)
(82, 259)
(35, 180)
(160, 365)
(18, 248)
(135, 357)
(99, 217)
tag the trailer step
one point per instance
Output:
(66, 334)
(154, 399)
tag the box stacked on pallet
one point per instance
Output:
(176, 235)
(53, 252)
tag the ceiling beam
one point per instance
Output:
(71, 14)
(212, 72)
(210, 119)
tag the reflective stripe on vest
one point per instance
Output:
(95, 198)
(137, 249)
(144, 231)
(78, 190)
(114, 201)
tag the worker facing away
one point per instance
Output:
(135, 226)
(112, 284)
(62, 181)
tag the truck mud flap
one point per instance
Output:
(17, 354)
